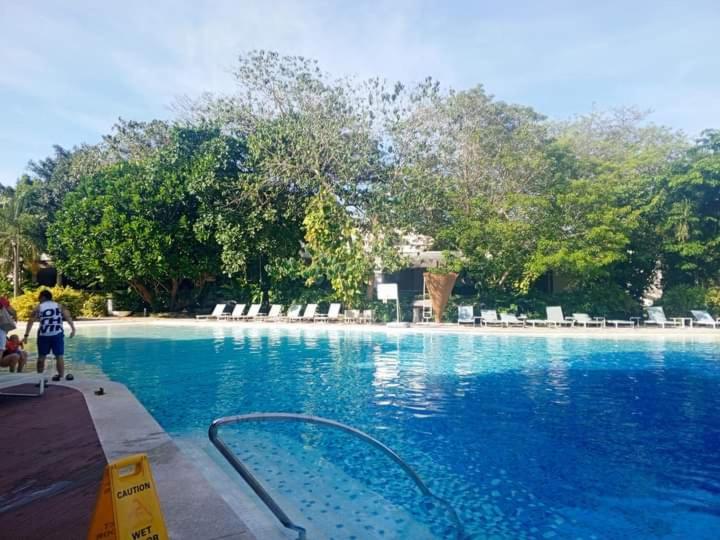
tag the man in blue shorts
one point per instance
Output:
(50, 336)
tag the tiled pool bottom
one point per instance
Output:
(316, 493)
(529, 437)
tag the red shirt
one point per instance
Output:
(11, 346)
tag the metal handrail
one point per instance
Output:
(293, 417)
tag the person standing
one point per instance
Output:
(50, 335)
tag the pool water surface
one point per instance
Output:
(527, 437)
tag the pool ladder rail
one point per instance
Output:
(261, 492)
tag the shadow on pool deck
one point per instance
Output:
(51, 467)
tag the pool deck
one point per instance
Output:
(623, 333)
(56, 446)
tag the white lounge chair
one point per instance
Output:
(489, 317)
(510, 319)
(236, 312)
(656, 317)
(309, 314)
(703, 318)
(367, 316)
(217, 313)
(333, 314)
(351, 315)
(617, 323)
(275, 313)
(293, 313)
(466, 315)
(554, 318)
(8, 380)
(253, 313)
(585, 320)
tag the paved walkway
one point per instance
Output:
(51, 466)
(53, 450)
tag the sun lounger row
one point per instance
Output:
(555, 318)
(294, 314)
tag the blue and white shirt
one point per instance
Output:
(51, 319)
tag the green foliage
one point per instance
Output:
(73, 299)
(679, 300)
(336, 249)
(132, 223)
(691, 231)
(6, 287)
(299, 186)
(95, 305)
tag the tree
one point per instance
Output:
(15, 236)
(305, 136)
(133, 223)
(691, 228)
(602, 218)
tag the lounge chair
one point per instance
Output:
(656, 317)
(309, 315)
(703, 318)
(367, 316)
(293, 313)
(275, 314)
(351, 315)
(253, 313)
(620, 322)
(333, 314)
(510, 319)
(489, 317)
(236, 312)
(13, 379)
(217, 313)
(554, 318)
(466, 315)
(585, 320)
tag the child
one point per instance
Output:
(13, 356)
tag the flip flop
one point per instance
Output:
(69, 377)
(56, 377)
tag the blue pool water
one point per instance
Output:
(528, 437)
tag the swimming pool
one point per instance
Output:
(528, 437)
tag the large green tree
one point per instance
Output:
(133, 223)
(306, 135)
(691, 225)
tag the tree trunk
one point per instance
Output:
(16, 269)
(173, 293)
(143, 291)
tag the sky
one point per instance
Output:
(69, 69)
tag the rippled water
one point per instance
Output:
(528, 437)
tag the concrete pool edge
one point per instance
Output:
(191, 506)
(643, 333)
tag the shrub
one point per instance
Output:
(712, 300)
(6, 287)
(679, 300)
(24, 304)
(94, 306)
(73, 299)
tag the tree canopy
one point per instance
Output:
(300, 180)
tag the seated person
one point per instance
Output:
(13, 356)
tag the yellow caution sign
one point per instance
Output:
(127, 506)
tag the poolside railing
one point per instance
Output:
(270, 502)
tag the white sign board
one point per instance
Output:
(387, 291)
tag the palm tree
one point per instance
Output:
(16, 244)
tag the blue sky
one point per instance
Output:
(69, 69)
